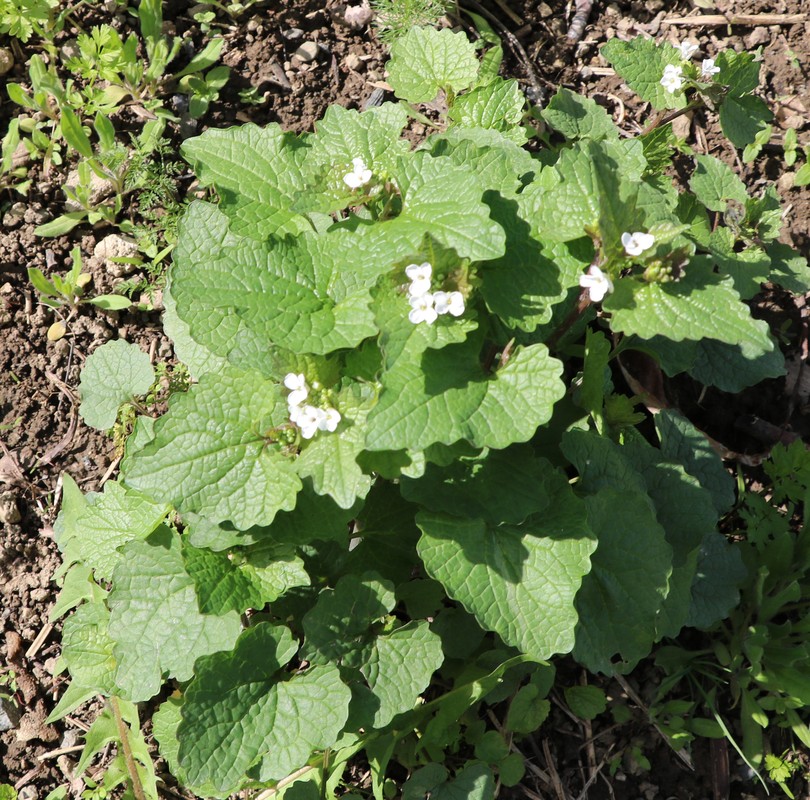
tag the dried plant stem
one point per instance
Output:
(736, 19)
(123, 735)
(582, 12)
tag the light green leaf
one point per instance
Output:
(241, 707)
(154, 620)
(620, 597)
(258, 173)
(330, 459)
(446, 396)
(444, 201)
(113, 374)
(497, 105)
(309, 295)
(700, 305)
(426, 60)
(640, 61)
(88, 649)
(518, 581)
(789, 268)
(197, 358)
(578, 117)
(77, 587)
(742, 118)
(715, 183)
(398, 667)
(109, 521)
(211, 455)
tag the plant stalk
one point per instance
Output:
(123, 732)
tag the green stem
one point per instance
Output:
(663, 119)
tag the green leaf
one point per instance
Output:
(207, 57)
(789, 269)
(586, 702)
(498, 486)
(259, 173)
(87, 648)
(111, 520)
(700, 305)
(497, 105)
(640, 61)
(211, 456)
(727, 367)
(682, 442)
(308, 295)
(742, 118)
(445, 396)
(528, 710)
(578, 117)
(518, 581)
(63, 224)
(330, 460)
(739, 71)
(154, 619)
(110, 302)
(715, 183)
(444, 201)
(474, 782)
(342, 616)
(398, 667)
(720, 573)
(74, 133)
(241, 708)
(113, 374)
(618, 602)
(426, 60)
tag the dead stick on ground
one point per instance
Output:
(737, 19)
(37, 643)
(582, 12)
(552, 771)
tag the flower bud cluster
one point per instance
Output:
(309, 417)
(426, 306)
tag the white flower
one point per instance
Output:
(597, 283)
(297, 385)
(707, 69)
(422, 309)
(420, 275)
(636, 243)
(687, 50)
(329, 421)
(359, 176)
(449, 303)
(308, 419)
(673, 77)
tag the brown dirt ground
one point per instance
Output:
(41, 435)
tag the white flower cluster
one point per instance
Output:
(310, 419)
(597, 283)
(427, 306)
(672, 79)
(359, 176)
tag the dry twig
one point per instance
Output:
(736, 19)
(582, 12)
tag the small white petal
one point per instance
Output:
(708, 69)
(309, 420)
(295, 398)
(687, 49)
(456, 305)
(422, 310)
(419, 272)
(295, 381)
(636, 243)
(419, 287)
(441, 302)
(329, 421)
(597, 283)
(672, 79)
(359, 176)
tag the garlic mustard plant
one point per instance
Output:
(347, 481)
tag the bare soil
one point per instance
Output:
(42, 436)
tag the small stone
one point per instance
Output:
(9, 715)
(114, 247)
(545, 10)
(6, 60)
(99, 189)
(9, 513)
(308, 51)
(14, 215)
(70, 49)
(38, 595)
(757, 37)
(357, 17)
(292, 34)
(352, 62)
